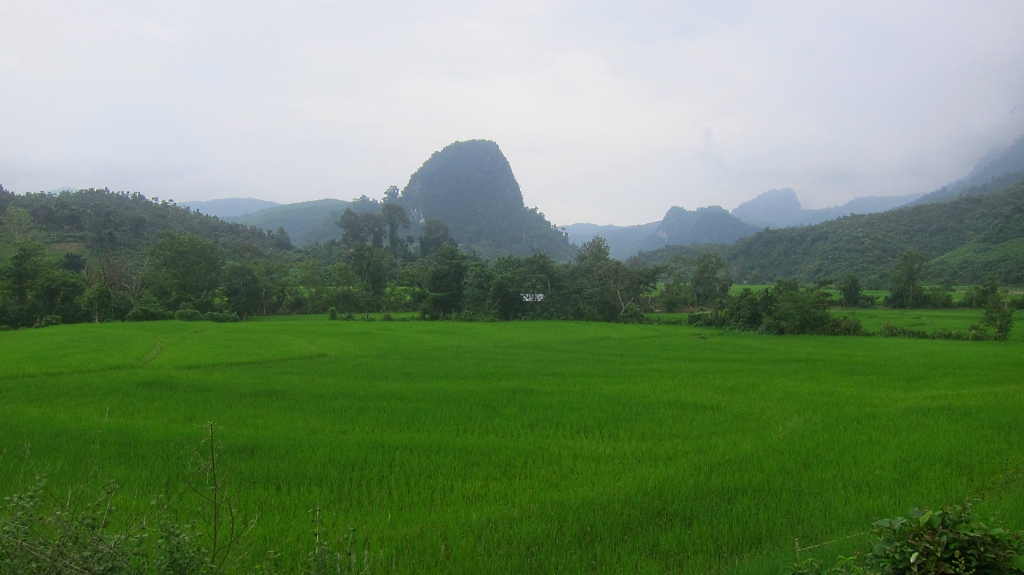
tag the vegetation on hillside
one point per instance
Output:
(962, 241)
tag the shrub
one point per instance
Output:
(188, 315)
(632, 314)
(332, 314)
(950, 540)
(783, 309)
(50, 320)
(387, 317)
(221, 317)
(146, 313)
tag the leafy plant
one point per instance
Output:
(951, 540)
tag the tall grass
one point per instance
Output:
(526, 447)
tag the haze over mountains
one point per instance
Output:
(229, 207)
(470, 186)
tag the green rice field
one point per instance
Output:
(529, 447)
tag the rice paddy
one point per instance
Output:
(528, 447)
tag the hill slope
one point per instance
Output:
(952, 234)
(992, 173)
(102, 221)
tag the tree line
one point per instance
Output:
(96, 255)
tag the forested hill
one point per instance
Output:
(471, 188)
(307, 223)
(101, 221)
(965, 239)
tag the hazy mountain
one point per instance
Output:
(680, 226)
(623, 241)
(710, 225)
(781, 208)
(229, 207)
(996, 171)
(471, 188)
(306, 222)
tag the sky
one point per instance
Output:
(609, 112)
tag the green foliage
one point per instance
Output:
(445, 284)
(987, 229)
(188, 315)
(783, 309)
(711, 280)
(951, 540)
(905, 288)
(435, 236)
(186, 269)
(221, 317)
(998, 316)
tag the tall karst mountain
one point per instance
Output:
(471, 188)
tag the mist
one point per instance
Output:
(607, 112)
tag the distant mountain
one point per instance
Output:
(710, 225)
(306, 222)
(781, 209)
(680, 226)
(623, 241)
(471, 188)
(229, 207)
(996, 171)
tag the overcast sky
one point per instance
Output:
(609, 112)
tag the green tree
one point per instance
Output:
(353, 232)
(998, 314)
(435, 236)
(395, 219)
(185, 268)
(711, 280)
(851, 291)
(243, 289)
(446, 283)
(905, 289)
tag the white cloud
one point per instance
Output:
(608, 112)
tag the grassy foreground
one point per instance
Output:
(535, 447)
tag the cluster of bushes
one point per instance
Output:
(214, 316)
(946, 541)
(783, 309)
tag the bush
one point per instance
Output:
(188, 315)
(949, 540)
(332, 314)
(783, 309)
(387, 317)
(633, 314)
(221, 317)
(50, 320)
(146, 313)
